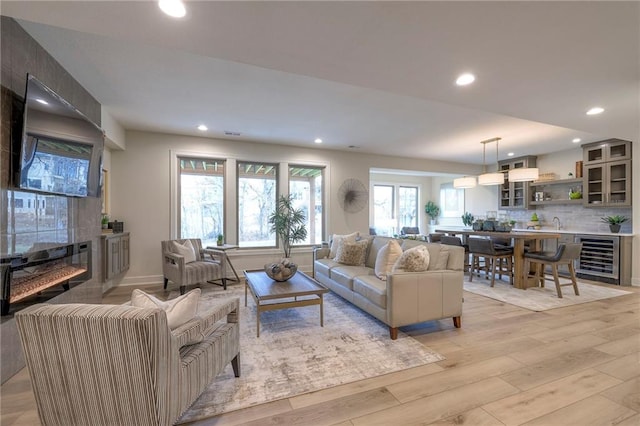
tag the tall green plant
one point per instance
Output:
(432, 209)
(288, 223)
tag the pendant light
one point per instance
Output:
(465, 182)
(523, 174)
(496, 178)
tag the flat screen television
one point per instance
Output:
(60, 149)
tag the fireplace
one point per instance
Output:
(47, 270)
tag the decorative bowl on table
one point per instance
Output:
(281, 271)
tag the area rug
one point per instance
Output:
(540, 298)
(294, 355)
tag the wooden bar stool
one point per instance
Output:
(565, 255)
(493, 257)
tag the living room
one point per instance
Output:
(146, 202)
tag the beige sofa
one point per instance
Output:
(405, 297)
(106, 365)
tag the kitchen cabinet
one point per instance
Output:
(607, 173)
(515, 195)
(607, 150)
(608, 184)
(555, 191)
(115, 255)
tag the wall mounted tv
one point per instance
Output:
(60, 149)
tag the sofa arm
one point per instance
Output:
(228, 308)
(321, 253)
(414, 297)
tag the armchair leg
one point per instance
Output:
(457, 322)
(393, 333)
(182, 289)
(166, 281)
(235, 363)
(224, 283)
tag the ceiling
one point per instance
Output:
(375, 77)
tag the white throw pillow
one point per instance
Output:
(185, 250)
(386, 258)
(179, 310)
(416, 259)
(338, 239)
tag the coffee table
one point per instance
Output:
(269, 295)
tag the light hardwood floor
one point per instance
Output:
(578, 365)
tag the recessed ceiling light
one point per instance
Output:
(465, 79)
(576, 140)
(595, 110)
(203, 128)
(317, 140)
(511, 154)
(173, 8)
(42, 101)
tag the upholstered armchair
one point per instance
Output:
(122, 365)
(205, 265)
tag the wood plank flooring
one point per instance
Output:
(578, 365)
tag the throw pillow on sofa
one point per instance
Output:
(386, 258)
(185, 250)
(179, 310)
(352, 254)
(415, 259)
(336, 240)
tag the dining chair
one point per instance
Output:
(566, 254)
(493, 259)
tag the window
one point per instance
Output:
(201, 198)
(257, 183)
(306, 187)
(394, 206)
(451, 201)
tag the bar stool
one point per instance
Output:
(456, 241)
(565, 255)
(493, 257)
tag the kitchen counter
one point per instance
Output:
(574, 231)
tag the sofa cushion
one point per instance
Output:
(352, 253)
(387, 257)
(416, 259)
(179, 310)
(373, 289)
(324, 265)
(336, 240)
(439, 257)
(344, 274)
(185, 250)
(376, 244)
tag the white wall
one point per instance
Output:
(140, 189)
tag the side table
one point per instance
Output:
(225, 248)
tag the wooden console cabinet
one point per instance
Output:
(115, 250)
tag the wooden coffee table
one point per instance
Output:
(300, 290)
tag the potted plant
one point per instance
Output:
(467, 219)
(105, 221)
(220, 240)
(614, 222)
(432, 210)
(288, 223)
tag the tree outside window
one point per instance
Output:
(257, 183)
(201, 198)
(306, 187)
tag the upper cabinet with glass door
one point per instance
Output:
(515, 195)
(607, 173)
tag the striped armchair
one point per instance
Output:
(120, 365)
(208, 267)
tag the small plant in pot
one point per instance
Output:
(105, 221)
(432, 210)
(220, 240)
(615, 222)
(288, 223)
(467, 219)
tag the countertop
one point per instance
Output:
(574, 231)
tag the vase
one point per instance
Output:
(614, 228)
(281, 271)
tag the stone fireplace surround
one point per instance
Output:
(75, 219)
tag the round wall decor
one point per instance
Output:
(353, 195)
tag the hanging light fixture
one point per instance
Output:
(465, 182)
(524, 174)
(496, 178)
